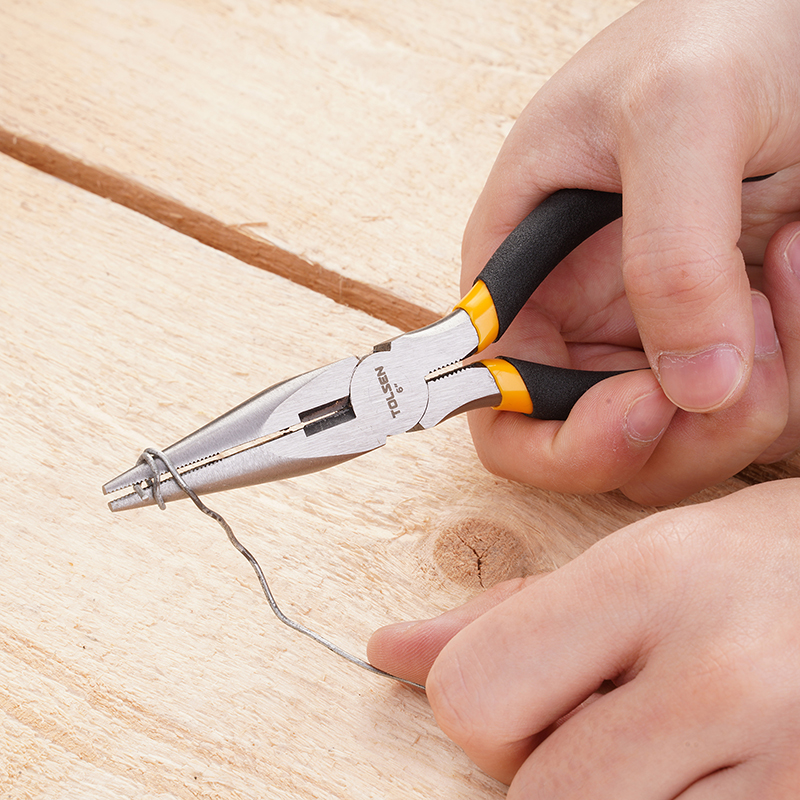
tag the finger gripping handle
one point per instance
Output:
(555, 390)
(540, 242)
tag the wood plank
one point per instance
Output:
(137, 656)
(350, 135)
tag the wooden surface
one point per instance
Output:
(353, 134)
(138, 658)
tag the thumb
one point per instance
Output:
(408, 649)
(684, 275)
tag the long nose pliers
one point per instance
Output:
(413, 382)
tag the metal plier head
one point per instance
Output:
(413, 382)
(326, 416)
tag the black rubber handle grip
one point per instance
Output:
(555, 390)
(540, 242)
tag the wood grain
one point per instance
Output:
(339, 145)
(354, 135)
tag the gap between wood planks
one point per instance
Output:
(230, 239)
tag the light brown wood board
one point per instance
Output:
(342, 144)
(137, 657)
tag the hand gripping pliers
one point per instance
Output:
(413, 382)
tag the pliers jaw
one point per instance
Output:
(326, 416)
(245, 445)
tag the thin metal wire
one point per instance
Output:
(149, 457)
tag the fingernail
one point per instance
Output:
(792, 254)
(648, 417)
(766, 337)
(702, 381)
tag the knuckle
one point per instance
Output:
(761, 421)
(661, 549)
(686, 276)
(766, 427)
(681, 71)
(782, 449)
